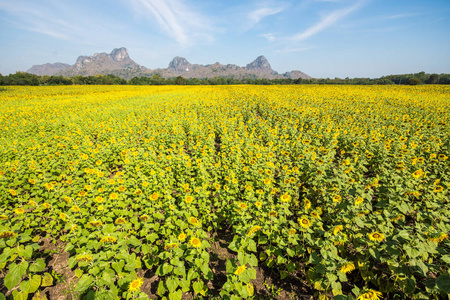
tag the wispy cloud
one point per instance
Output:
(269, 36)
(255, 16)
(327, 21)
(174, 17)
(400, 16)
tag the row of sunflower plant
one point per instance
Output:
(344, 188)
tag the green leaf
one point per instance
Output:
(84, 283)
(118, 266)
(161, 288)
(443, 283)
(446, 258)
(176, 295)
(185, 285)
(38, 265)
(19, 295)
(199, 287)
(2, 297)
(79, 273)
(47, 279)
(172, 284)
(31, 286)
(15, 274)
(253, 261)
(251, 246)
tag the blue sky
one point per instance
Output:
(323, 38)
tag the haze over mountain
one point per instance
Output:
(119, 63)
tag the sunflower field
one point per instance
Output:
(345, 188)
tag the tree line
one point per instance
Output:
(23, 78)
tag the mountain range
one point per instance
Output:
(119, 63)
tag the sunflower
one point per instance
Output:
(337, 198)
(243, 205)
(120, 221)
(347, 268)
(170, 246)
(240, 270)
(182, 237)
(418, 173)
(194, 221)
(19, 211)
(108, 239)
(370, 295)
(113, 196)
(359, 201)
(188, 199)
(438, 189)
(304, 222)
(154, 196)
(144, 218)
(258, 204)
(13, 192)
(307, 204)
(84, 257)
(195, 242)
(337, 229)
(286, 198)
(376, 236)
(253, 230)
(135, 285)
(7, 234)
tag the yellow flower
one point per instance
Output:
(98, 199)
(95, 223)
(240, 270)
(438, 189)
(285, 198)
(13, 192)
(253, 230)
(3, 217)
(418, 173)
(258, 204)
(84, 257)
(347, 268)
(75, 208)
(194, 221)
(273, 214)
(113, 196)
(7, 234)
(108, 239)
(120, 221)
(188, 199)
(182, 237)
(307, 204)
(337, 198)
(135, 285)
(370, 295)
(243, 205)
(63, 216)
(337, 229)
(144, 218)
(292, 231)
(195, 242)
(359, 201)
(304, 222)
(19, 211)
(376, 236)
(154, 196)
(170, 246)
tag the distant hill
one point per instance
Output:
(119, 63)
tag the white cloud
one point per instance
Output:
(255, 16)
(327, 22)
(269, 36)
(174, 17)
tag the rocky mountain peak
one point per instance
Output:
(259, 63)
(119, 54)
(179, 64)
